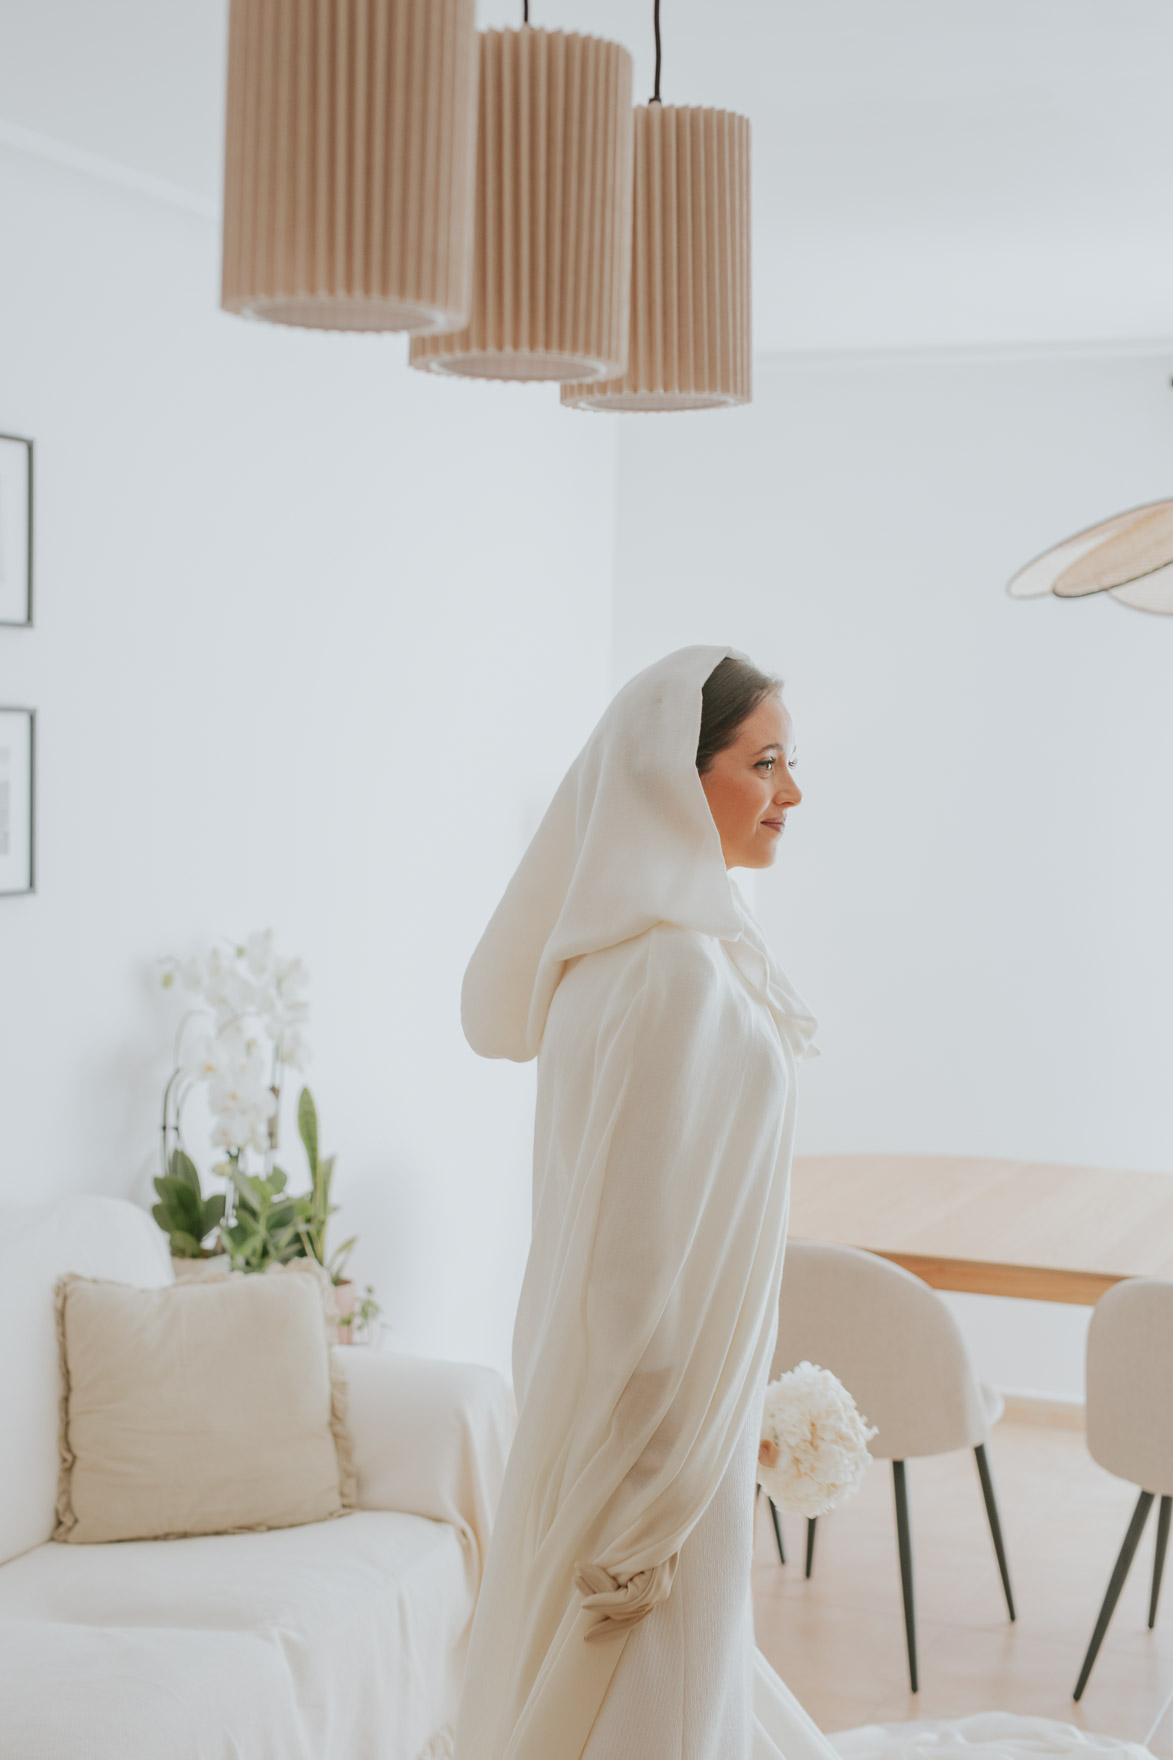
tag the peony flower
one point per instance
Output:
(812, 1422)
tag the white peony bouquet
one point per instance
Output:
(814, 1446)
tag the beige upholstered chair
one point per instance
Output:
(1130, 1421)
(899, 1352)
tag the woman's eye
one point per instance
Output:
(765, 763)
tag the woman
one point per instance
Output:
(614, 1621)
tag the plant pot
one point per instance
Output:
(345, 1298)
(201, 1270)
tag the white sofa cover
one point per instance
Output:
(340, 1640)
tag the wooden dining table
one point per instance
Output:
(998, 1228)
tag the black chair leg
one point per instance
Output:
(904, 1539)
(1115, 1584)
(983, 1467)
(1159, 1560)
(777, 1531)
(810, 1542)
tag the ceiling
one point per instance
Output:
(927, 173)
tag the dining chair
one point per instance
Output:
(1130, 1422)
(899, 1352)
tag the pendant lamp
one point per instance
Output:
(690, 286)
(349, 163)
(1129, 556)
(552, 254)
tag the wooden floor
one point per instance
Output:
(838, 1640)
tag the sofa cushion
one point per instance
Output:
(100, 1237)
(321, 1642)
(205, 1408)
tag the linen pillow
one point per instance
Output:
(201, 1408)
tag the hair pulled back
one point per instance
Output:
(732, 691)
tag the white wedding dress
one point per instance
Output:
(614, 1619)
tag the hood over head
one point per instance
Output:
(627, 842)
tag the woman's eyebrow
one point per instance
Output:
(772, 747)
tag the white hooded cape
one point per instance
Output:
(623, 958)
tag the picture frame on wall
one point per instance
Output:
(16, 530)
(17, 800)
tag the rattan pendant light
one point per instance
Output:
(690, 272)
(1129, 556)
(552, 253)
(349, 168)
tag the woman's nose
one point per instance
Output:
(789, 793)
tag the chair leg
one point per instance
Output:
(777, 1530)
(983, 1467)
(810, 1542)
(1159, 1561)
(1115, 1584)
(904, 1539)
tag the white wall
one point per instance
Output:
(315, 638)
(974, 895)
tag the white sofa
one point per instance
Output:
(340, 1640)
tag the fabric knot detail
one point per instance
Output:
(621, 1603)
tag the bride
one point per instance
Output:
(614, 1620)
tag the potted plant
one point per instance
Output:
(252, 1010)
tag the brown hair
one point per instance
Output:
(732, 691)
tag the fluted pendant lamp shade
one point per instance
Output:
(690, 289)
(1129, 556)
(349, 169)
(551, 282)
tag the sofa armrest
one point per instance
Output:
(430, 1437)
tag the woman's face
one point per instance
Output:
(750, 789)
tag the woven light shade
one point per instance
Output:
(1129, 556)
(552, 275)
(690, 295)
(349, 170)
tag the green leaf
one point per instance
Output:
(307, 1125)
(180, 1202)
(184, 1168)
(278, 1180)
(184, 1246)
(213, 1213)
(325, 1175)
(246, 1188)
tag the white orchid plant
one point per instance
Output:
(252, 1010)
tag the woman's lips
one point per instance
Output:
(774, 824)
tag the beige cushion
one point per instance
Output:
(203, 1408)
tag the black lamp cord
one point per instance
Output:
(655, 97)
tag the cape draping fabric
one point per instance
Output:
(627, 842)
(622, 955)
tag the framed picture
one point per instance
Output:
(17, 794)
(16, 529)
